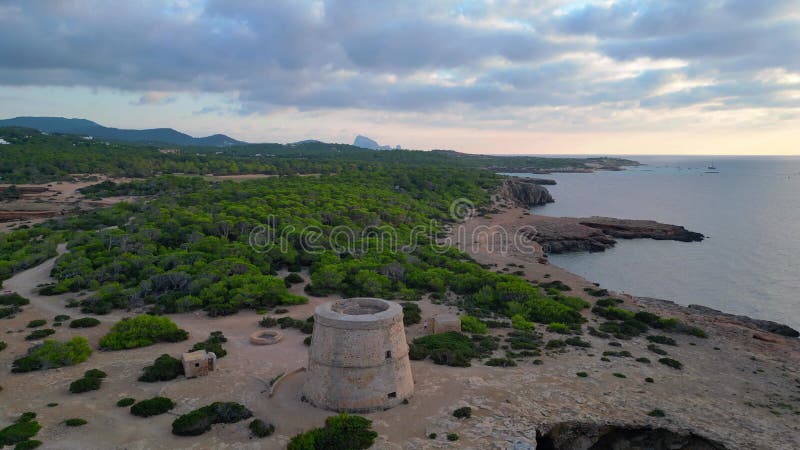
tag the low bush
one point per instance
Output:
(560, 328)
(609, 301)
(657, 413)
(127, 401)
(28, 445)
(13, 299)
(575, 303)
(451, 348)
(21, 430)
(501, 362)
(75, 422)
(61, 318)
(595, 292)
(519, 322)
(261, 429)
(625, 329)
(554, 344)
(411, 313)
(293, 278)
(40, 334)
(465, 412)
(213, 344)
(613, 313)
(164, 368)
(152, 407)
(305, 326)
(94, 373)
(596, 333)
(268, 322)
(656, 349)
(524, 340)
(582, 374)
(657, 339)
(200, 420)
(36, 323)
(142, 331)
(674, 363)
(8, 311)
(433, 436)
(452, 437)
(619, 375)
(85, 385)
(341, 432)
(555, 285)
(53, 354)
(619, 354)
(3, 345)
(649, 380)
(643, 360)
(575, 341)
(472, 324)
(84, 322)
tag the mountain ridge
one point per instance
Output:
(85, 127)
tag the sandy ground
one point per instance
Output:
(733, 388)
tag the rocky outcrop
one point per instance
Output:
(759, 324)
(596, 234)
(524, 192)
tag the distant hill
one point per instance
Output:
(365, 142)
(85, 127)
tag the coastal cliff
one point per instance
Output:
(525, 192)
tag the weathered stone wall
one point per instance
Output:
(358, 362)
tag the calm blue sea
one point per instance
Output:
(750, 211)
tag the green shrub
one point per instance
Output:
(656, 413)
(501, 362)
(649, 380)
(697, 332)
(261, 429)
(643, 360)
(61, 318)
(268, 322)
(657, 339)
(625, 329)
(524, 340)
(432, 436)
(411, 313)
(596, 333)
(575, 303)
(8, 311)
(451, 348)
(85, 385)
(3, 345)
(560, 328)
(40, 334)
(656, 349)
(127, 401)
(141, 331)
(452, 437)
(75, 422)
(575, 341)
(36, 323)
(675, 364)
(27, 416)
(94, 373)
(307, 341)
(554, 344)
(613, 313)
(51, 405)
(213, 344)
(52, 354)
(164, 368)
(19, 431)
(582, 374)
(595, 292)
(471, 324)
(152, 407)
(13, 299)
(84, 322)
(341, 432)
(28, 445)
(519, 322)
(619, 354)
(281, 310)
(619, 375)
(293, 278)
(465, 412)
(305, 326)
(200, 420)
(606, 302)
(555, 285)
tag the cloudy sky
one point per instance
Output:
(547, 76)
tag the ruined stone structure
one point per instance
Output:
(198, 363)
(358, 360)
(442, 323)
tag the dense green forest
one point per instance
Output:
(33, 157)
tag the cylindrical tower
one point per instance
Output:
(358, 360)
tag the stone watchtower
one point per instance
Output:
(358, 361)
